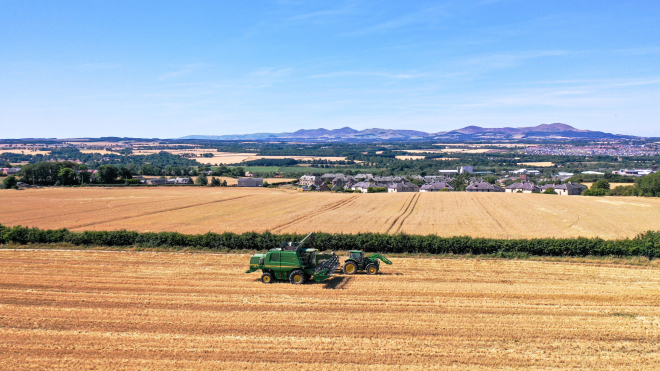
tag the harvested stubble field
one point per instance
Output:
(204, 209)
(100, 310)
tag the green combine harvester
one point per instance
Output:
(357, 262)
(294, 262)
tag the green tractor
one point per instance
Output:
(294, 262)
(357, 262)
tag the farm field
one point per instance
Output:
(74, 310)
(229, 157)
(612, 185)
(537, 164)
(25, 151)
(220, 209)
(410, 157)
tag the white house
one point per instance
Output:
(567, 189)
(402, 187)
(522, 188)
(436, 187)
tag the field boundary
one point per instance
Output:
(646, 244)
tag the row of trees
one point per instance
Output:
(646, 186)
(71, 173)
(646, 244)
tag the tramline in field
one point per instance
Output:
(298, 264)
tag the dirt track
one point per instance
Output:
(121, 310)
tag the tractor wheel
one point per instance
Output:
(372, 269)
(350, 268)
(267, 277)
(297, 277)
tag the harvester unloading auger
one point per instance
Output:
(294, 262)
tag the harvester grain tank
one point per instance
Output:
(294, 262)
(358, 262)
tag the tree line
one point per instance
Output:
(66, 173)
(645, 186)
(646, 244)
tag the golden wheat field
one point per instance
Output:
(84, 310)
(410, 157)
(537, 164)
(218, 209)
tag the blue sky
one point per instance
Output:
(168, 69)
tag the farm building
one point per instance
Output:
(10, 170)
(389, 179)
(567, 189)
(483, 187)
(362, 186)
(182, 181)
(341, 180)
(522, 188)
(250, 182)
(330, 176)
(308, 180)
(436, 187)
(402, 187)
(526, 171)
(156, 181)
(634, 172)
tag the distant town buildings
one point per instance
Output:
(609, 149)
(634, 172)
(442, 183)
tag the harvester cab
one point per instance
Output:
(357, 262)
(294, 262)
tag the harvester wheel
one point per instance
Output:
(350, 268)
(267, 277)
(372, 269)
(297, 277)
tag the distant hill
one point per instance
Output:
(547, 131)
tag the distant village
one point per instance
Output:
(517, 181)
(368, 183)
(365, 183)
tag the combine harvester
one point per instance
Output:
(298, 264)
(294, 262)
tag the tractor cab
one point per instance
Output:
(357, 255)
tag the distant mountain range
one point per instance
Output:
(544, 131)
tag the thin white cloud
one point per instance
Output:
(324, 14)
(272, 72)
(426, 16)
(366, 73)
(503, 60)
(184, 71)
